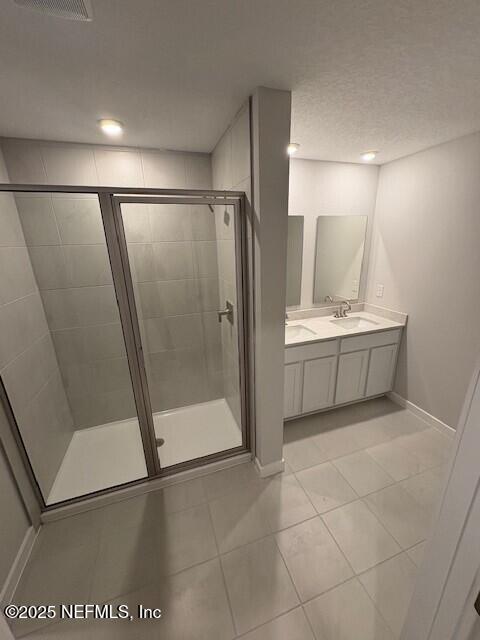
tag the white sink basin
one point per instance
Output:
(298, 332)
(354, 323)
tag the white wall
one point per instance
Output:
(329, 188)
(426, 252)
(270, 134)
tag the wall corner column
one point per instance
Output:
(271, 115)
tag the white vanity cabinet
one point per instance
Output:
(292, 399)
(381, 369)
(352, 374)
(319, 375)
(318, 383)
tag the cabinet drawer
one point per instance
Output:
(310, 351)
(356, 343)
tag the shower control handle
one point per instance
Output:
(227, 312)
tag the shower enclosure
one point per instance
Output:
(123, 334)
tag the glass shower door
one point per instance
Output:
(66, 380)
(184, 259)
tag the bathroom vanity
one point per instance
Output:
(334, 361)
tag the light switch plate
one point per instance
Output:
(380, 289)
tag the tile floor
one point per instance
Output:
(326, 551)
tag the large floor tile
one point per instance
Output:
(73, 630)
(401, 514)
(390, 585)
(417, 552)
(308, 426)
(313, 559)
(183, 495)
(346, 613)
(238, 518)
(363, 473)
(284, 502)
(326, 487)
(64, 577)
(139, 512)
(429, 446)
(222, 482)
(258, 584)
(372, 431)
(338, 441)
(302, 454)
(73, 531)
(404, 422)
(184, 539)
(194, 606)
(398, 462)
(426, 488)
(291, 626)
(126, 561)
(257, 509)
(361, 537)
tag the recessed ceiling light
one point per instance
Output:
(369, 155)
(111, 127)
(292, 148)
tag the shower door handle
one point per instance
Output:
(227, 312)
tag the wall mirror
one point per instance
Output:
(339, 252)
(294, 260)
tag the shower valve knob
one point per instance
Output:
(227, 312)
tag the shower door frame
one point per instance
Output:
(110, 200)
(186, 197)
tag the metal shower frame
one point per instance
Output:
(110, 200)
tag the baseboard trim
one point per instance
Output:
(17, 567)
(421, 413)
(270, 469)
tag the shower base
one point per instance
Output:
(112, 454)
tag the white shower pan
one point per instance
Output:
(112, 454)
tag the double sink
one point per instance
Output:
(299, 332)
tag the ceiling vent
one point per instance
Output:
(69, 9)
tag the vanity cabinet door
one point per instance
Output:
(352, 375)
(292, 397)
(381, 370)
(319, 383)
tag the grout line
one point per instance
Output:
(376, 608)
(264, 624)
(221, 567)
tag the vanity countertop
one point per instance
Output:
(321, 328)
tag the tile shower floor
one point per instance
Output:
(112, 454)
(328, 550)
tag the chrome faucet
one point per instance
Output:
(340, 312)
(343, 308)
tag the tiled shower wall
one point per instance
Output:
(173, 255)
(178, 288)
(28, 363)
(66, 242)
(231, 167)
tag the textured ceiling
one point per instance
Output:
(392, 75)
